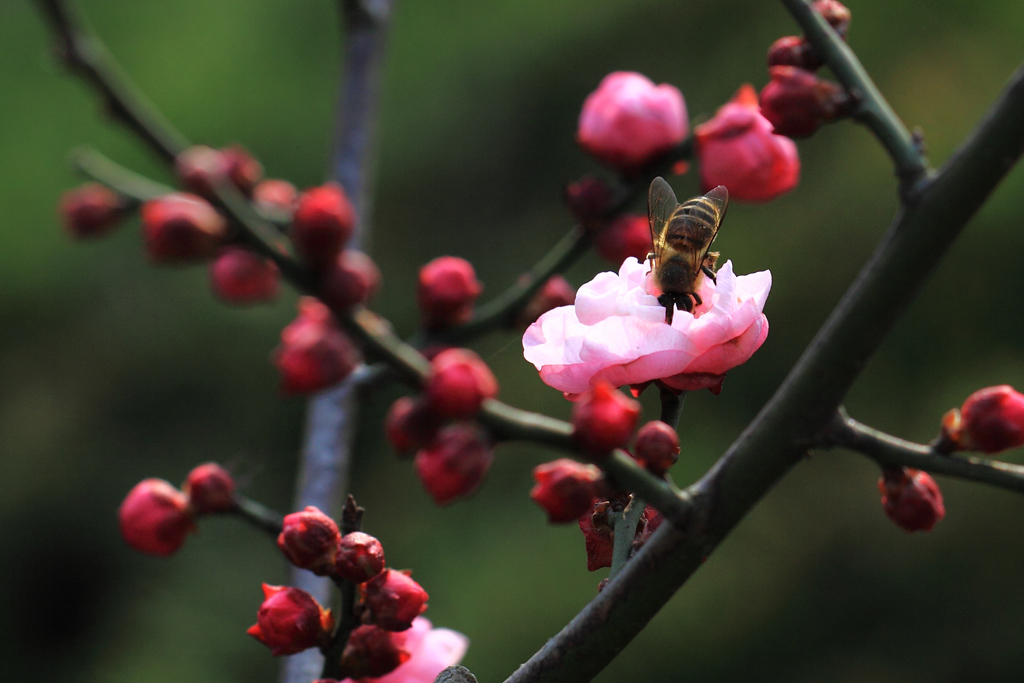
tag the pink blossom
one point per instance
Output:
(616, 332)
(629, 120)
(432, 651)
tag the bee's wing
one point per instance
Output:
(661, 203)
(719, 198)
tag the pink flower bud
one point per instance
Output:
(565, 489)
(309, 539)
(431, 651)
(179, 228)
(990, 420)
(627, 235)
(589, 199)
(350, 281)
(447, 290)
(835, 13)
(372, 652)
(738, 149)
(797, 102)
(322, 224)
(604, 419)
(359, 558)
(393, 599)
(276, 195)
(554, 293)
(911, 499)
(238, 276)
(314, 353)
(458, 384)
(290, 621)
(243, 170)
(410, 425)
(154, 518)
(90, 210)
(794, 51)
(200, 169)
(629, 121)
(657, 447)
(210, 488)
(455, 462)
(598, 536)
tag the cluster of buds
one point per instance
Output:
(155, 517)
(390, 601)
(796, 101)
(201, 169)
(599, 531)
(452, 459)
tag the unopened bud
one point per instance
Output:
(200, 169)
(410, 425)
(322, 224)
(990, 420)
(797, 102)
(604, 419)
(657, 447)
(238, 276)
(359, 558)
(589, 199)
(394, 599)
(243, 170)
(911, 499)
(455, 462)
(154, 517)
(314, 353)
(290, 620)
(446, 292)
(627, 235)
(90, 210)
(459, 383)
(276, 195)
(210, 488)
(794, 51)
(565, 489)
(309, 539)
(835, 13)
(372, 652)
(180, 228)
(554, 293)
(350, 281)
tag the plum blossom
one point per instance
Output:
(431, 650)
(616, 332)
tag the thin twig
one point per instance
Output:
(890, 451)
(259, 515)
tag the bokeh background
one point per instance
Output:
(112, 371)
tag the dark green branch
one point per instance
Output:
(624, 526)
(259, 515)
(871, 109)
(781, 433)
(889, 451)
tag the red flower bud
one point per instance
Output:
(796, 101)
(738, 149)
(238, 276)
(200, 169)
(210, 488)
(458, 384)
(604, 419)
(911, 499)
(181, 228)
(350, 281)
(290, 621)
(323, 224)
(393, 599)
(794, 51)
(276, 195)
(589, 199)
(359, 558)
(565, 489)
(629, 121)
(455, 462)
(242, 167)
(314, 353)
(447, 290)
(990, 420)
(835, 13)
(154, 517)
(657, 447)
(410, 425)
(598, 536)
(309, 539)
(626, 236)
(90, 210)
(372, 652)
(554, 293)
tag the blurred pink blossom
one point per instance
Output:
(432, 651)
(616, 332)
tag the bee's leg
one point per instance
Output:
(696, 298)
(710, 273)
(670, 300)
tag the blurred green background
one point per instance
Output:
(112, 371)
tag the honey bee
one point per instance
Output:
(682, 234)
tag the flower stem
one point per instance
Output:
(259, 515)
(671, 406)
(624, 530)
